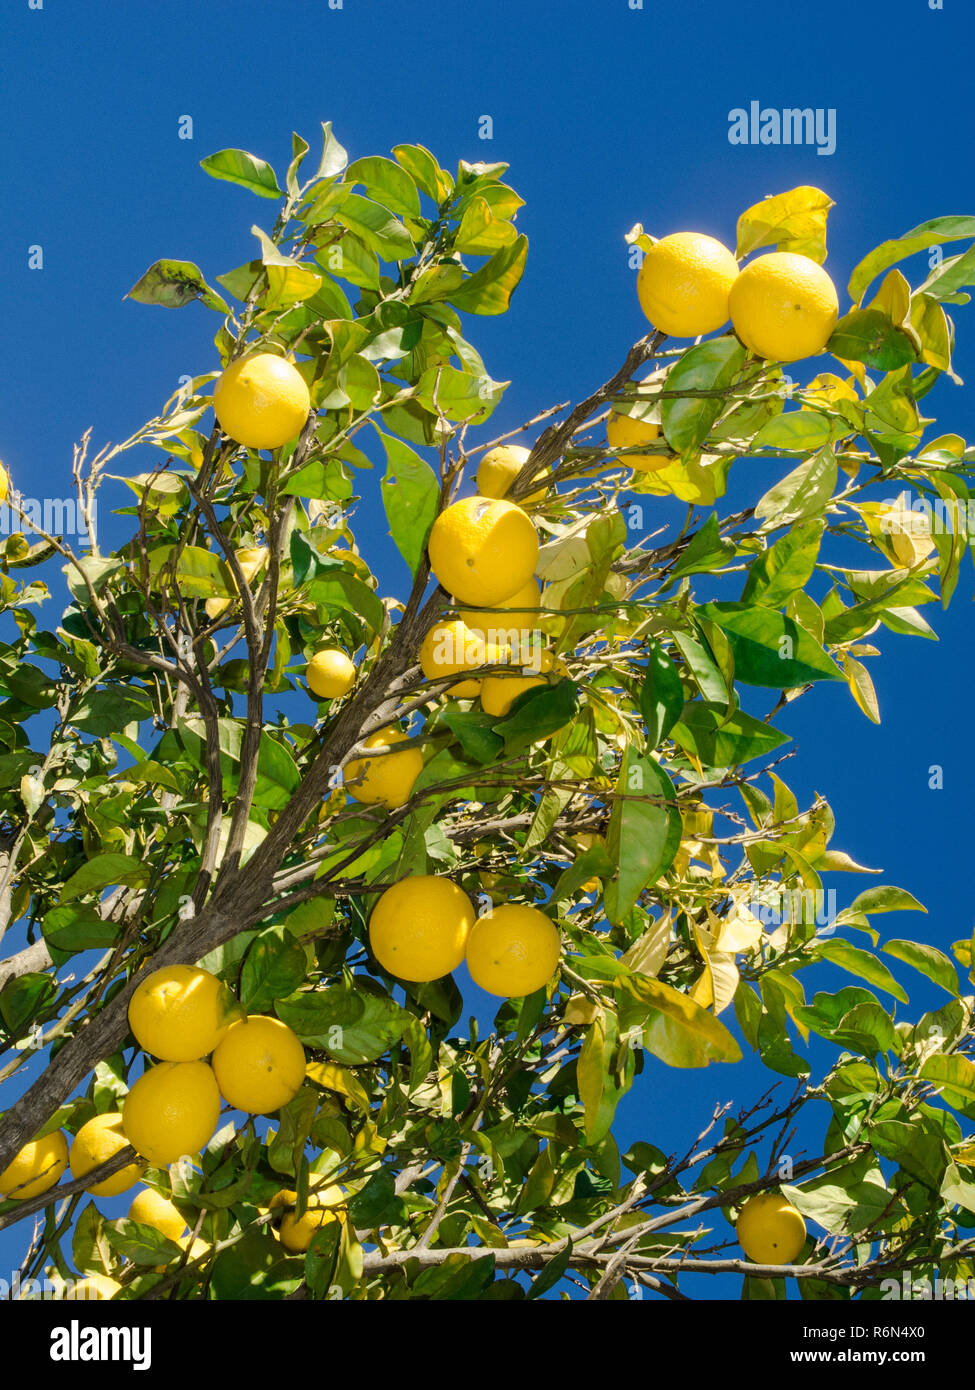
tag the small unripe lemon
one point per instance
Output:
(100, 1139)
(770, 1230)
(171, 1110)
(35, 1168)
(386, 780)
(260, 1065)
(419, 927)
(261, 401)
(330, 674)
(513, 950)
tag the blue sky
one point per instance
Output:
(607, 115)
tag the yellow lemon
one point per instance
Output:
(498, 693)
(513, 950)
(260, 1065)
(171, 1110)
(4, 483)
(296, 1232)
(96, 1142)
(419, 928)
(500, 467)
(95, 1288)
(180, 1013)
(770, 1230)
(683, 284)
(37, 1167)
(519, 616)
(151, 1208)
(482, 550)
(387, 780)
(624, 432)
(450, 647)
(784, 306)
(261, 401)
(330, 674)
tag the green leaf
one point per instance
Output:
(954, 1075)
(376, 226)
(334, 156)
(411, 495)
(552, 1272)
(426, 173)
(861, 963)
(459, 395)
(377, 1204)
(141, 1244)
(706, 553)
(475, 733)
(661, 695)
(173, 284)
(785, 567)
(336, 588)
(198, 573)
(599, 1088)
(275, 965)
(538, 714)
(643, 836)
(351, 1025)
(926, 959)
(237, 166)
(933, 233)
(869, 336)
(103, 871)
(105, 712)
(769, 648)
(387, 182)
(294, 1122)
(710, 366)
(802, 493)
(22, 998)
(78, 929)
(489, 290)
(717, 741)
(796, 431)
(680, 1032)
(885, 898)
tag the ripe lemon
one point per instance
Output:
(419, 928)
(294, 1232)
(482, 550)
(784, 306)
(498, 693)
(4, 483)
(500, 467)
(180, 1013)
(513, 950)
(96, 1142)
(151, 1208)
(623, 432)
(260, 1065)
(330, 674)
(261, 401)
(519, 613)
(684, 282)
(95, 1288)
(251, 563)
(770, 1230)
(171, 1110)
(388, 780)
(37, 1167)
(450, 647)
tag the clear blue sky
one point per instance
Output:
(607, 115)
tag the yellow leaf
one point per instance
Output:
(648, 953)
(893, 298)
(340, 1079)
(793, 221)
(739, 931)
(861, 687)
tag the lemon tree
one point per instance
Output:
(380, 905)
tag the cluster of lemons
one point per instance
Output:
(782, 306)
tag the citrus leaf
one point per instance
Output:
(237, 166)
